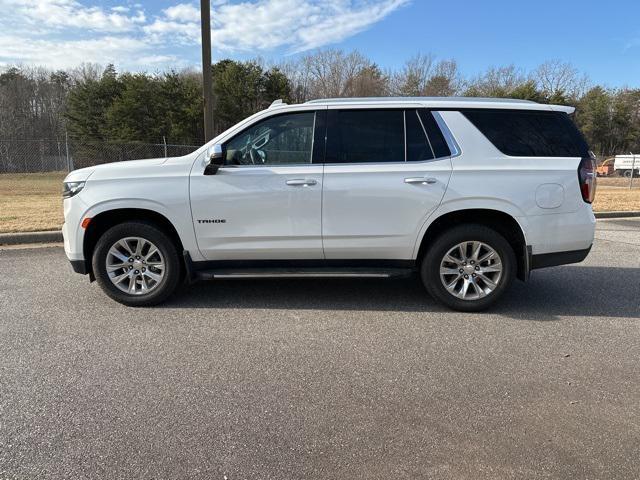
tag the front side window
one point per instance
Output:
(279, 140)
(365, 136)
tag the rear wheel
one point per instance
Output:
(468, 267)
(136, 264)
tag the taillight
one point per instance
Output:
(587, 179)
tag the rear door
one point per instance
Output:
(383, 176)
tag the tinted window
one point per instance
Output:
(319, 136)
(418, 147)
(438, 143)
(278, 140)
(363, 136)
(522, 133)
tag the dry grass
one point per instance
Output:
(618, 182)
(32, 201)
(613, 194)
(616, 199)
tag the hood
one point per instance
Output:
(82, 174)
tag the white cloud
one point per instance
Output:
(183, 12)
(63, 33)
(159, 59)
(70, 13)
(122, 51)
(296, 25)
(344, 23)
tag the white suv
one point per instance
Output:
(470, 193)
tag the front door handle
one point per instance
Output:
(301, 182)
(420, 180)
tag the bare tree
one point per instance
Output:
(421, 75)
(332, 73)
(558, 79)
(368, 82)
(445, 81)
(299, 74)
(32, 102)
(496, 82)
(412, 79)
(86, 72)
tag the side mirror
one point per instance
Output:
(214, 159)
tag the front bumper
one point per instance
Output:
(72, 232)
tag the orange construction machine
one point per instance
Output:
(605, 168)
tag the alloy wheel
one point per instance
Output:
(471, 270)
(135, 265)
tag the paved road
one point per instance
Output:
(323, 379)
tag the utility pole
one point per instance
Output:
(66, 148)
(207, 82)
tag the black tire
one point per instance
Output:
(627, 173)
(153, 234)
(430, 267)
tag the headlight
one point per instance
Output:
(69, 189)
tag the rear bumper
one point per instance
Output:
(545, 260)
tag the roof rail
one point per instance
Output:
(419, 99)
(276, 103)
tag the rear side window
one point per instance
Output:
(383, 135)
(418, 146)
(438, 143)
(364, 136)
(527, 133)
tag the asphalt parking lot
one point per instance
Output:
(323, 378)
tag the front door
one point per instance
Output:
(383, 176)
(265, 202)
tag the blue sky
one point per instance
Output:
(601, 39)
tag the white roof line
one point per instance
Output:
(446, 102)
(421, 99)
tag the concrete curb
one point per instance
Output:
(55, 236)
(617, 214)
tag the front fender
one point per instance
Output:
(180, 218)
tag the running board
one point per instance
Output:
(303, 273)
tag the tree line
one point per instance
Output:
(94, 104)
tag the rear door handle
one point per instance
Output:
(421, 180)
(301, 182)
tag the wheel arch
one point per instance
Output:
(502, 222)
(108, 218)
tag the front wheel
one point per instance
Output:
(468, 267)
(136, 264)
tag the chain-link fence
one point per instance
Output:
(31, 174)
(31, 156)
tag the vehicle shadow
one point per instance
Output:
(549, 294)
